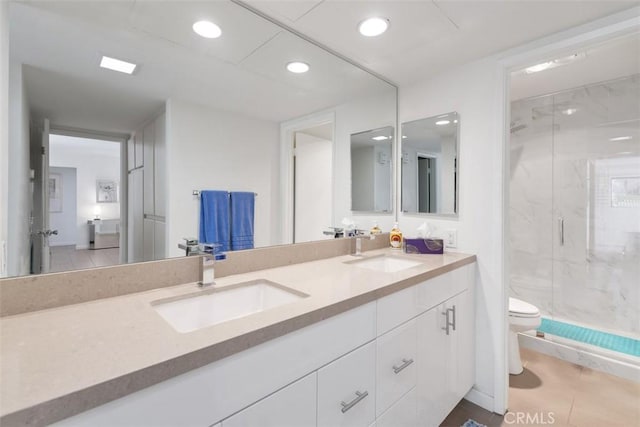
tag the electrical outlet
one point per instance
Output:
(451, 238)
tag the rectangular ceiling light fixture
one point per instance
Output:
(117, 65)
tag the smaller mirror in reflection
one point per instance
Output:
(429, 165)
(371, 170)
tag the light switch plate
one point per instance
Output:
(451, 238)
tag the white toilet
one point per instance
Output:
(522, 317)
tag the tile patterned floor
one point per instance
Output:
(65, 258)
(552, 392)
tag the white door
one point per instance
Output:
(40, 232)
(313, 166)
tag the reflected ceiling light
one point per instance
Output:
(207, 29)
(117, 65)
(298, 67)
(620, 138)
(380, 138)
(373, 26)
(404, 136)
(455, 121)
(442, 122)
(569, 111)
(565, 60)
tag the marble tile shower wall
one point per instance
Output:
(566, 166)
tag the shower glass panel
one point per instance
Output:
(596, 206)
(575, 205)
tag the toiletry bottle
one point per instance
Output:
(375, 229)
(395, 237)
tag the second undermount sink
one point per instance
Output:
(385, 263)
(207, 308)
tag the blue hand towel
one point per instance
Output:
(214, 218)
(242, 213)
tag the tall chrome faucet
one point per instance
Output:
(209, 257)
(359, 235)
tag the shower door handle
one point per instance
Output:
(561, 230)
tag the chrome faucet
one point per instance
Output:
(209, 257)
(359, 235)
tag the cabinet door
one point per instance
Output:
(138, 149)
(403, 413)
(148, 241)
(433, 352)
(346, 389)
(148, 144)
(135, 223)
(293, 406)
(159, 244)
(159, 166)
(396, 365)
(131, 154)
(464, 343)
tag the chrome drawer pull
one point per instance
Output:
(446, 322)
(453, 310)
(405, 363)
(354, 402)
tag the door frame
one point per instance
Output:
(288, 130)
(122, 139)
(616, 25)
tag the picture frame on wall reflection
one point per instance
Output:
(106, 191)
(55, 192)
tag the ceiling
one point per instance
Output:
(243, 71)
(427, 37)
(84, 146)
(61, 43)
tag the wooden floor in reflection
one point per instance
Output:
(64, 258)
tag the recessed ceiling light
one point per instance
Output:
(404, 136)
(455, 121)
(298, 67)
(620, 138)
(117, 65)
(442, 122)
(569, 111)
(380, 138)
(565, 60)
(207, 29)
(373, 26)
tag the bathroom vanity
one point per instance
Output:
(385, 340)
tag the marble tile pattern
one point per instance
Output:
(57, 362)
(562, 166)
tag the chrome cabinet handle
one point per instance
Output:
(405, 363)
(447, 323)
(354, 402)
(561, 230)
(453, 310)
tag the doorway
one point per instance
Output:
(84, 198)
(427, 194)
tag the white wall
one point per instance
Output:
(362, 175)
(209, 149)
(66, 220)
(4, 132)
(474, 91)
(19, 198)
(383, 178)
(90, 167)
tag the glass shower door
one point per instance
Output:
(596, 206)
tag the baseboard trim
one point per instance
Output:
(62, 244)
(81, 247)
(481, 399)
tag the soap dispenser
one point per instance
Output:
(395, 237)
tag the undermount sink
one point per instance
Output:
(385, 263)
(207, 308)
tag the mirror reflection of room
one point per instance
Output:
(191, 114)
(430, 165)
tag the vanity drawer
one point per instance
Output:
(396, 365)
(346, 389)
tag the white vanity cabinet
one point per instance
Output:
(347, 389)
(388, 363)
(293, 406)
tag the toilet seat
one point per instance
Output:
(519, 308)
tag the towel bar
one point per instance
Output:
(197, 193)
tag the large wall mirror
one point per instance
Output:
(196, 113)
(430, 182)
(372, 170)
